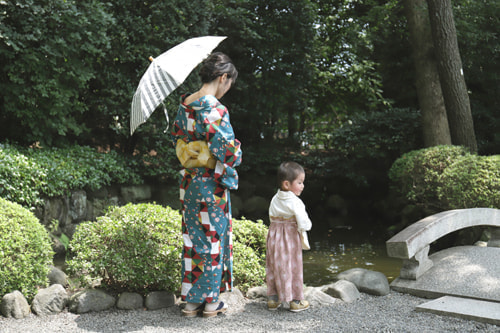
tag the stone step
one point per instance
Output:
(466, 308)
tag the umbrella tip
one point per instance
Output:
(151, 58)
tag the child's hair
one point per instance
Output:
(217, 64)
(289, 171)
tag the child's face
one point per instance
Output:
(297, 186)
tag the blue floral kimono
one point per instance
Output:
(207, 261)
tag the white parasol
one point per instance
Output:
(166, 73)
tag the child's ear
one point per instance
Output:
(286, 185)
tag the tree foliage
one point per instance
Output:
(49, 52)
(70, 68)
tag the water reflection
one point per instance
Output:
(328, 257)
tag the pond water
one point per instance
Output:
(338, 250)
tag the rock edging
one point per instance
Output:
(55, 298)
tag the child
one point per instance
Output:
(289, 223)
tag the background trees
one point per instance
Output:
(451, 74)
(308, 68)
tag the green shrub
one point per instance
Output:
(138, 247)
(249, 253)
(248, 268)
(27, 174)
(472, 181)
(134, 247)
(21, 179)
(447, 177)
(25, 251)
(416, 175)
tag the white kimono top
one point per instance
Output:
(286, 204)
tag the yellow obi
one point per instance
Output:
(195, 154)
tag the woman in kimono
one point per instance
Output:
(209, 152)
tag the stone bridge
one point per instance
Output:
(463, 280)
(412, 244)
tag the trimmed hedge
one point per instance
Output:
(447, 177)
(472, 181)
(25, 251)
(27, 174)
(138, 247)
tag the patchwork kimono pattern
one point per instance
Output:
(207, 261)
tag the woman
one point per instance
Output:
(209, 152)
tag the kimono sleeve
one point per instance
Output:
(223, 145)
(303, 221)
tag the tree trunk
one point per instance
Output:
(451, 74)
(430, 97)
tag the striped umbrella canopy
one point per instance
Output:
(167, 72)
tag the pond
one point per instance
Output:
(338, 250)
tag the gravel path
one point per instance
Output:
(392, 313)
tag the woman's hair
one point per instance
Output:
(215, 65)
(289, 171)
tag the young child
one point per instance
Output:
(285, 240)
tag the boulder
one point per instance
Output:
(370, 282)
(159, 300)
(90, 300)
(316, 297)
(136, 193)
(257, 292)
(78, 205)
(343, 289)
(14, 305)
(57, 276)
(235, 300)
(51, 300)
(129, 301)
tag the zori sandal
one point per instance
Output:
(193, 313)
(220, 309)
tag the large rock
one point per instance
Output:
(51, 300)
(343, 289)
(55, 209)
(78, 205)
(129, 301)
(57, 276)
(235, 300)
(15, 305)
(257, 292)
(159, 300)
(316, 297)
(370, 282)
(90, 300)
(136, 193)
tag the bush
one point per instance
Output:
(28, 174)
(138, 248)
(249, 253)
(472, 181)
(21, 178)
(134, 247)
(25, 251)
(416, 175)
(447, 177)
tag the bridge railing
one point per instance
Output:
(413, 243)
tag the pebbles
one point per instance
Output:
(394, 312)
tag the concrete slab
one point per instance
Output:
(463, 271)
(471, 309)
